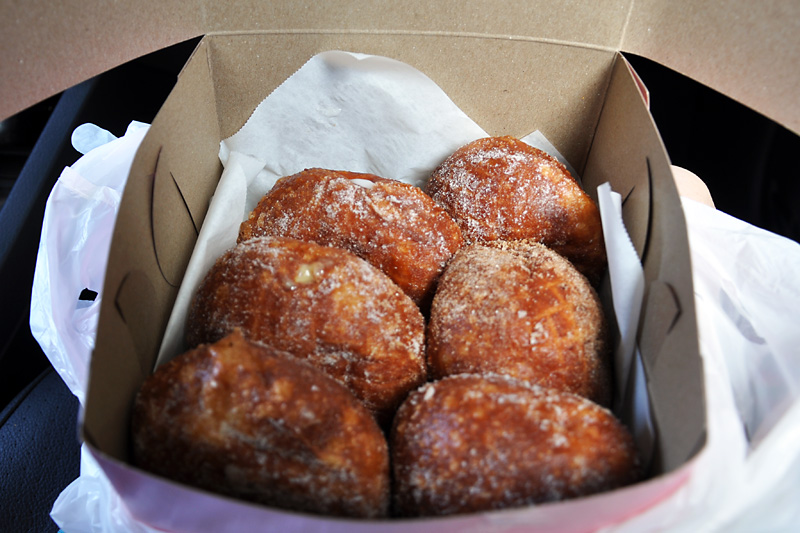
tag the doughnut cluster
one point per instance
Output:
(369, 349)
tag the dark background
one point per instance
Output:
(747, 161)
(744, 158)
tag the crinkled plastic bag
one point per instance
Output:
(73, 249)
(76, 235)
(747, 478)
(747, 292)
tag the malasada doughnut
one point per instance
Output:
(393, 225)
(521, 309)
(319, 303)
(248, 421)
(471, 443)
(502, 188)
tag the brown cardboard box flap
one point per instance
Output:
(748, 54)
(748, 51)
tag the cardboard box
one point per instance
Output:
(176, 171)
(513, 69)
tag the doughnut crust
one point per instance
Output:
(471, 443)
(321, 304)
(248, 421)
(502, 188)
(521, 309)
(393, 225)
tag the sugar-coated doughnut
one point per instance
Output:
(319, 303)
(471, 443)
(393, 225)
(503, 188)
(248, 421)
(519, 308)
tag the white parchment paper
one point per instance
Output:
(341, 110)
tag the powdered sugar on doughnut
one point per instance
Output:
(502, 188)
(319, 303)
(488, 442)
(521, 309)
(249, 421)
(394, 226)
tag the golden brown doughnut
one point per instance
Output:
(502, 188)
(319, 303)
(393, 225)
(248, 421)
(472, 443)
(521, 309)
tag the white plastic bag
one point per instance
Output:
(76, 235)
(747, 478)
(73, 249)
(747, 293)
(91, 505)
